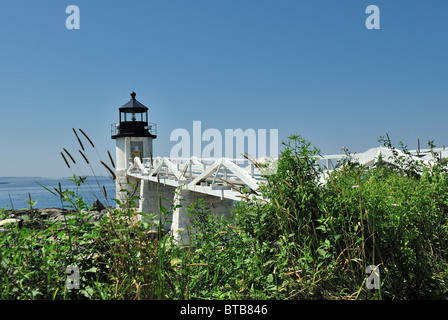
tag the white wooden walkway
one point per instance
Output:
(225, 178)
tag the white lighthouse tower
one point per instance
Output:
(134, 135)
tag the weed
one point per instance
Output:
(308, 238)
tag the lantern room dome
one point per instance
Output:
(133, 121)
(133, 105)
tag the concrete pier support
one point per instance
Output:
(146, 201)
(123, 182)
(152, 197)
(182, 223)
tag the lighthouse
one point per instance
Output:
(166, 203)
(134, 136)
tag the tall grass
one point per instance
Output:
(305, 239)
(393, 216)
(118, 257)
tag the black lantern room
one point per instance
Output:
(133, 121)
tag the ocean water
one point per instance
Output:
(14, 191)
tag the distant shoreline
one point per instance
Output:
(14, 192)
(14, 182)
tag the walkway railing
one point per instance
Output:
(226, 178)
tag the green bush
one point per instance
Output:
(393, 216)
(115, 256)
(224, 262)
(301, 237)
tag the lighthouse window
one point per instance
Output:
(136, 146)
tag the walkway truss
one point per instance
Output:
(226, 178)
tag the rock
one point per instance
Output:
(94, 216)
(37, 216)
(97, 206)
(5, 222)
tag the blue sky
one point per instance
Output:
(303, 67)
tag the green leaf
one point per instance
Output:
(32, 203)
(322, 252)
(36, 292)
(93, 269)
(87, 292)
(47, 189)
